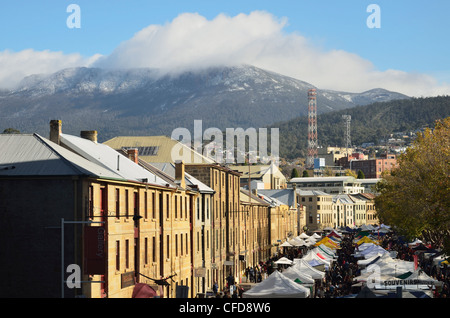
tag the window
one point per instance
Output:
(127, 254)
(154, 249)
(146, 205)
(168, 206)
(146, 251)
(198, 208)
(118, 255)
(136, 204)
(91, 202)
(117, 203)
(176, 245)
(153, 205)
(181, 244)
(127, 207)
(167, 246)
(176, 207)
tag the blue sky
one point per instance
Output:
(413, 36)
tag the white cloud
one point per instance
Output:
(191, 41)
(17, 65)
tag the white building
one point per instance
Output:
(330, 185)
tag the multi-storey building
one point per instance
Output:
(267, 176)
(370, 217)
(373, 168)
(256, 232)
(330, 185)
(224, 207)
(287, 217)
(318, 209)
(105, 220)
(201, 230)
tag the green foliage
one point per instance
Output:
(11, 131)
(361, 175)
(294, 173)
(414, 197)
(305, 174)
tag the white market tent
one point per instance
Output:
(327, 250)
(372, 260)
(418, 280)
(303, 235)
(284, 260)
(277, 286)
(303, 266)
(294, 273)
(385, 269)
(297, 242)
(286, 244)
(368, 250)
(311, 255)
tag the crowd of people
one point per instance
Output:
(339, 278)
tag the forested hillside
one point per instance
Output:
(369, 123)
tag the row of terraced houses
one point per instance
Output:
(124, 218)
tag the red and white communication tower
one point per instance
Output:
(312, 128)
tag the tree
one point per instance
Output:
(414, 197)
(294, 173)
(11, 131)
(350, 173)
(361, 175)
(305, 174)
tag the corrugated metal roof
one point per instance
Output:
(33, 155)
(164, 152)
(311, 192)
(244, 198)
(169, 168)
(109, 158)
(344, 198)
(256, 171)
(324, 179)
(284, 195)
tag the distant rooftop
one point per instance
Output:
(158, 149)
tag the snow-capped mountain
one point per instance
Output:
(142, 101)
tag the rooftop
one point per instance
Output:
(324, 179)
(169, 169)
(110, 159)
(158, 149)
(286, 196)
(33, 155)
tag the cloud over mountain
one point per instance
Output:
(17, 65)
(191, 41)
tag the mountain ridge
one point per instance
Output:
(144, 101)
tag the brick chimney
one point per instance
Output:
(133, 155)
(89, 134)
(179, 173)
(55, 131)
